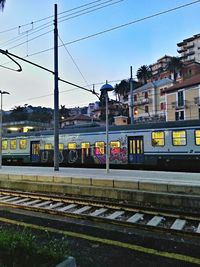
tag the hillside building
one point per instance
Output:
(189, 49)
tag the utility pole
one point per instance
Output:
(131, 96)
(56, 95)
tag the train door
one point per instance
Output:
(35, 151)
(85, 152)
(135, 150)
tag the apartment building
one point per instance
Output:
(183, 100)
(149, 100)
(159, 68)
(189, 48)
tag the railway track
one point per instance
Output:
(103, 212)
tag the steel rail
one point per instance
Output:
(104, 212)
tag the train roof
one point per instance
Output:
(97, 128)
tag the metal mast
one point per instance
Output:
(56, 95)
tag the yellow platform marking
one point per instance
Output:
(142, 249)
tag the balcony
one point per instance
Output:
(190, 53)
(181, 50)
(190, 46)
(178, 106)
(143, 101)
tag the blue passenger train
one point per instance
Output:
(166, 145)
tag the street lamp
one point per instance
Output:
(104, 90)
(1, 116)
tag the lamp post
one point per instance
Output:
(105, 89)
(1, 116)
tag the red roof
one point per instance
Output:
(194, 80)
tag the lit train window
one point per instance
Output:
(85, 145)
(61, 146)
(197, 137)
(179, 138)
(158, 138)
(22, 144)
(114, 147)
(4, 144)
(71, 146)
(47, 146)
(99, 148)
(13, 144)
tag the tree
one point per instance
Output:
(19, 113)
(122, 89)
(174, 66)
(144, 73)
(2, 3)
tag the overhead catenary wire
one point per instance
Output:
(114, 28)
(118, 27)
(48, 24)
(48, 17)
(73, 60)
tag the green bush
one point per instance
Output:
(28, 250)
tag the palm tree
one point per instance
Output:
(144, 73)
(174, 66)
(122, 89)
(2, 3)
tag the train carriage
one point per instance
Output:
(166, 145)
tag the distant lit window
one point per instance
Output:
(71, 146)
(22, 144)
(99, 148)
(114, 147)
(61, 146)
(135, 111)
(4, 144)
(47, 146)
(85, 145)
(158, 138)
(197, 137)
(13, 144)
(179, 138)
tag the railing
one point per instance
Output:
(150, 119)
(143, 101)
(178, 105)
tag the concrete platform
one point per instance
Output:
(160, 188)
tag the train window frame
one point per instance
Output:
(21, 145)
(112, 152)
(73, 146)
(5, 141)
(101, 148)
(48, 146)
(176, 131)
(13, 144)
(155, 141)
(197, 137)
(61, 146)
(85, 143)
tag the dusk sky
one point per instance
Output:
(107, 56)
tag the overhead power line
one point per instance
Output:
(49, 24)
(119, 26)
(50, 17)
(73, 60)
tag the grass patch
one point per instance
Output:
(22, 248)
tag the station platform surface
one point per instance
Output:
(115, 174)
(170, 188)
